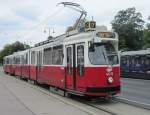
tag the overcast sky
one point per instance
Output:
(26, 20)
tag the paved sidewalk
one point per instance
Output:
(21, 98)
(16, 99)
(10, 104)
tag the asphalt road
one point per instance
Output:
(136, 90)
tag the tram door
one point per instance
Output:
(75, 66)
(71, 67)
(39, 65)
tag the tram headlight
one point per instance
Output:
(110, 80)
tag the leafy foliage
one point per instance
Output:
(129, 25)
(11, 48)
(147, 37)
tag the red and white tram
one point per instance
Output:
(84, 63)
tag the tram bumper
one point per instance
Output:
(103, 91)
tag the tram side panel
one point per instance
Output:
(33, 72)
(6, 65)
(11, 69)
(6, 68)
(95, 81)
(25, 71)
(18, 70)
(54, 76)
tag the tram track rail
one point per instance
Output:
(101, 105)
(97, 107)
(104, 106)
(134, 103)
(44, 89)
(87, 103)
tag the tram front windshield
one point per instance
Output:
(102, 54)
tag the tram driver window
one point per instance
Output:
(80, 60)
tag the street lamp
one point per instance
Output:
(45, 31)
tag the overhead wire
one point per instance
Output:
(48, 18)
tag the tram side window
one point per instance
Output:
(7, 61)
(132, 63)
(137, 63)
(22, 59)
(47, 59)
(33, 57)
(57, 56)
(147, 64)
(69, 61)
(13, 60)
(26, 58)
(142, 63)
(18, 60)
(80, 60)
(40, 58)
(10, 61)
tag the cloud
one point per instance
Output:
(27, 13)
(25, 20)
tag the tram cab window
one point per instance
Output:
(57, 56)
(111, 53)
(47, 59)
(96, 54)
(103, 53)
(80, 60)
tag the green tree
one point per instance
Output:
(129, 26)
(11, 48)
(147, 36)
